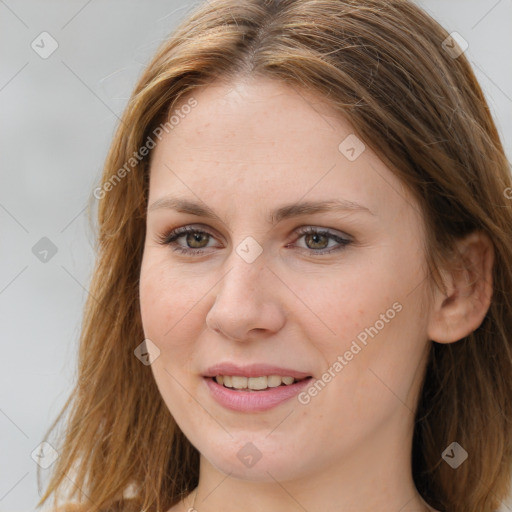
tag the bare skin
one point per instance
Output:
(244, 150)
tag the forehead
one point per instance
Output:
(254, 116)
(251, 143)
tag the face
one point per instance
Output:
(335, 294)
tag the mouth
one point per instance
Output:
(255, 384)
(243, 399)
(255, 387)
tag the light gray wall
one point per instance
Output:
(57, 119)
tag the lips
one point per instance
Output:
(248, 401)
(253, 370)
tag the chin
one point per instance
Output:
(256, 460)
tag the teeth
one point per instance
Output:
(273, 381)
(254, 383)
(257, 383)
(239, 382)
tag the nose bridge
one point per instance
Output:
(245, 299)
(247, 272)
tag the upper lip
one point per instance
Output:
(252, 370)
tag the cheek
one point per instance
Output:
(155, 302)
(342, 305)
(171, 321)
(376, 324)
(171, 309)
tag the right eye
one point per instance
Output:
(192, 237)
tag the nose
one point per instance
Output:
(248, 303)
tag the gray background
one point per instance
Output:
(58, 119)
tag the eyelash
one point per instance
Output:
(172, 237)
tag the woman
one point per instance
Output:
(302, 298)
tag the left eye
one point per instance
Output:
(316, 240)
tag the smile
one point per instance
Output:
(245, 399)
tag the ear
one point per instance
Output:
(469, 287)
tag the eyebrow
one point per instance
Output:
(284, 212)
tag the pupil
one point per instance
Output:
(315, 237)
(195, 238)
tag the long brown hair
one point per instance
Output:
(383, 66)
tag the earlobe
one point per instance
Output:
(462, 309)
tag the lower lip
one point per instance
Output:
(254, 401)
